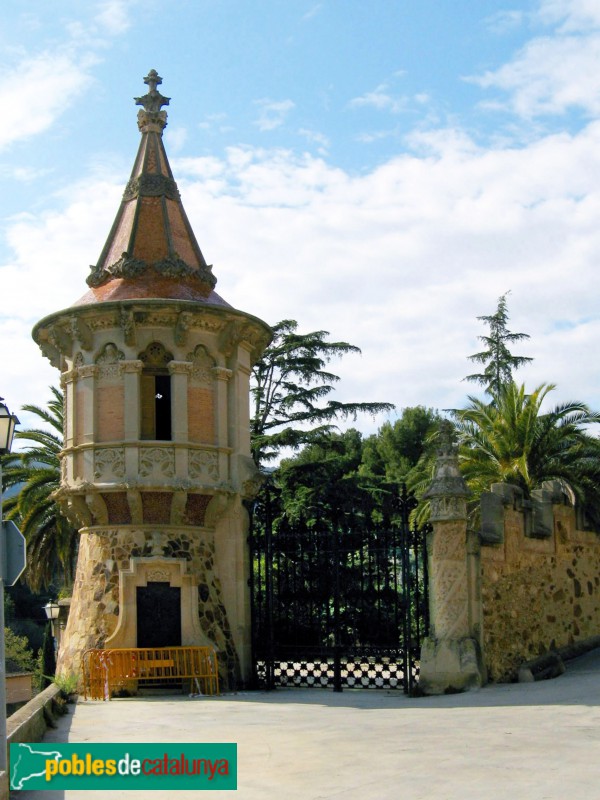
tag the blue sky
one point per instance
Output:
(382, 170)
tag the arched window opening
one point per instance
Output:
(155, 393)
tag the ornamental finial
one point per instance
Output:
(154, 100)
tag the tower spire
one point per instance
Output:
(151, 250)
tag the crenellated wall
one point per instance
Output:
(540, 578)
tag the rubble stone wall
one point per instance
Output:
(538, 593)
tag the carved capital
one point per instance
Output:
(179, 367)
(222, 373)
(134, 366)
(68, 376)
(87, 371)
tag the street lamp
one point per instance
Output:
(7, 428)
(7, 431)
(52, 612)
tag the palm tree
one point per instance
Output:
(512, 441)
(51, 539)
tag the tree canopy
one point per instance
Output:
(511, 440)
(291, 388)
(499, 363)
(51, 539)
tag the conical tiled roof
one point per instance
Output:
(151, 251)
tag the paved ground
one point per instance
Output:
(524, 742)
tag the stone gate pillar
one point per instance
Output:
(451, 656)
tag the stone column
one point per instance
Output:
(222, 376)
(451, 655)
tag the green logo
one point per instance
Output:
(123, 766)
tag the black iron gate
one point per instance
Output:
(335, 605)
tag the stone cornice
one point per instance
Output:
(115, 314)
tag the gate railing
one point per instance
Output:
(106, 671)
(336, 605)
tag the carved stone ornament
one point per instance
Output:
(156, 462)
(158, 576)
(203, 465)
(127, 323)
(60, 339)
(202, 366)
(87, 371)
(80, 330)
(152, 118)
(109, 463)
(448, 508)
(151, 186)
(222, 373)
(108, 361)
(51, 353)
(448, 490)
(170, 267)
(155, 355)
(184, 320)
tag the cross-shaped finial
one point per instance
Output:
(154, 100)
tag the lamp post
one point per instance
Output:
(7, 431)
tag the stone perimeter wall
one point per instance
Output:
(540, 592)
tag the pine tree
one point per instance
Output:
(289, 388)
(499, 362)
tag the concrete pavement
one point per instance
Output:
(536, 741)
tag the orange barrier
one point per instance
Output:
(106, 671)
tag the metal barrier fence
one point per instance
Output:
(106, 671)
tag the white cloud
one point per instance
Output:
(551, 75)
(38, 90)
(272, 113)
(113, 16)
(315, 137)
(381, 99)
(42, 86)
(313, 12)
(399, 260)
(503, 21)
(555, 72)
(572, 15)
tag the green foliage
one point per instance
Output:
(67, 682)
(18, 654)
(51, 539)
(290, 390)
(511, 440)
(498, 360)
(396, 449)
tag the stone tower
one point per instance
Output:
(155, 371)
